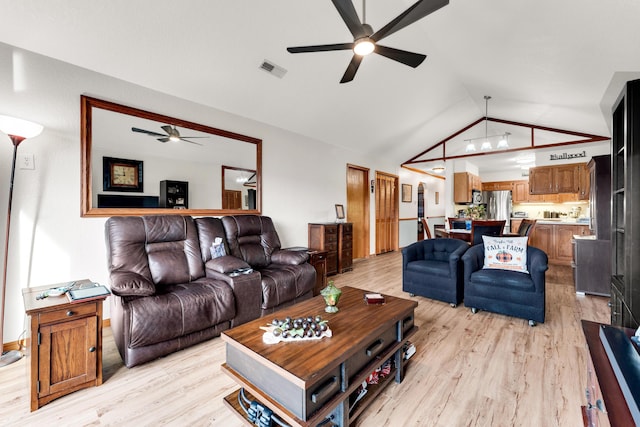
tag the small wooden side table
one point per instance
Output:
(64, 344)
(318, 259)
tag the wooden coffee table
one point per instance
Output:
(305, 383)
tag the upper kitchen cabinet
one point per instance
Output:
(558, 179)
(463, 185)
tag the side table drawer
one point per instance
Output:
(68, 313)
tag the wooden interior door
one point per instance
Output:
(387, 211)
(232, 199)
(358, 208)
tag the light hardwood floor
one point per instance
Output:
(469, 370)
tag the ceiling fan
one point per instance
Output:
(172, 134)
(366, 41)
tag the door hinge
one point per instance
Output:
(39, 338)
(38, 387)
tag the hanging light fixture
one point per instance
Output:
(503, 142)
(486, 145)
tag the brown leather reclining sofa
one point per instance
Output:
(169, 293)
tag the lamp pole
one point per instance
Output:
(18, 130)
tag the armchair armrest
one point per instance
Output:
(454, 259)
(473, 260)
(126, 283)
(289, 257)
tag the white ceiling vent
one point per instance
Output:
(273, 69)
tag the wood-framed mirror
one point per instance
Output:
(134, 163)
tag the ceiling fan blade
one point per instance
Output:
(321, 48)
(351, 69)
(416, 12)
(407, 58)
(163, 139)
(148, 132)
(192, 142)
(169, 129)
(350, 17)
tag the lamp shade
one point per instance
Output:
(19, 127)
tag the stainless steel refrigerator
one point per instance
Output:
(498, 206)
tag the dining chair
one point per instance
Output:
(456, 222)
(525, 229)
(481, 228)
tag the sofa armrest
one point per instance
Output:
(225, 264)
(126, 283)
(537, 264)
(289, 257)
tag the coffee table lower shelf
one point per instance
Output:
(324, 416)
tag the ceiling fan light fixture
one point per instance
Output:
(438, 169)
(364, 46)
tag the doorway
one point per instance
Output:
(387, 211)
(358, 205)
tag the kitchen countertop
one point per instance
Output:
(570, 221)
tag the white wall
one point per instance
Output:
(50, 243)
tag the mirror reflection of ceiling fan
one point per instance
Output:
(247, 182)
(365, 41)
(172, 134)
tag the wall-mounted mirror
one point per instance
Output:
(135, 162)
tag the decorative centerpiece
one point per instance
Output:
(331, 295)
(298, 329)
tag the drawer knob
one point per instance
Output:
(70, 313)
(92, 349)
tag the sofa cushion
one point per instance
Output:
(505, 253)
(430, 267)
(178, 310)
(494, 280)
(173, 249)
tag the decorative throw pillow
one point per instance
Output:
(505, 253)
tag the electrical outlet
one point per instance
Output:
(26, 161)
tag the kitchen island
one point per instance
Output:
(555, 236)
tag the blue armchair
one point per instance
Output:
(512, 293)
(432, 268)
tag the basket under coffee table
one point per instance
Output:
(310, 383)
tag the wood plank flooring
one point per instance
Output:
(469, 370)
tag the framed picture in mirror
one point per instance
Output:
(122, 174)
(340, 212)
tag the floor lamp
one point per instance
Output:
(18, 130)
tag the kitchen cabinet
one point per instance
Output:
(584, 182)
(463, 184)
(520, 193)
(497, 186)
(556, 240)
(65, 347)
(557, 179)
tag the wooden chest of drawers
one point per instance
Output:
(337, 240)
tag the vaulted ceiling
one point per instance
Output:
(548, 63)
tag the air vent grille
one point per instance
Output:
(273, 69)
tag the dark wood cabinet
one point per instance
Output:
(65, 345)
(318, 259)
(625, 196)
(337, 240)
(557, 179)
(174, 194)
(345, 247)
(600, 196)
